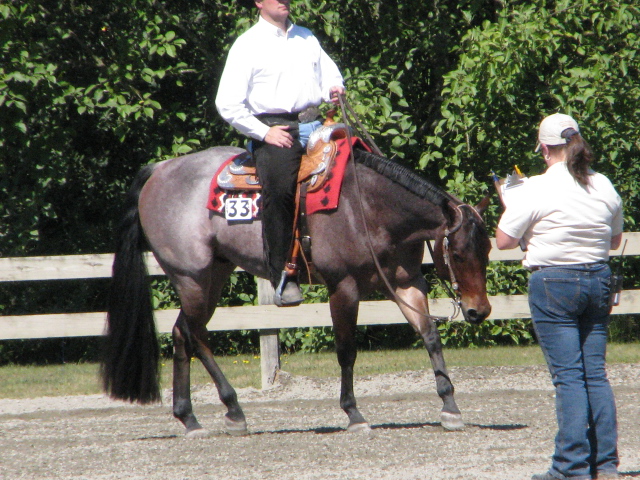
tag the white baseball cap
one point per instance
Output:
(551, 128)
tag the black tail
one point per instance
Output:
(130, 362)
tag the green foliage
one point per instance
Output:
(50, 351)
(241, 290)
(576, 57)
(455, 334)
(393, 56)
(236, 342)
(164, 297)
(489, 333)
(624, 329)
(306, 340)
(91, 91)
(506, 279)
(315, 293)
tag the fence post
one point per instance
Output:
(269, 341)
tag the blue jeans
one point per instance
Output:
(570, 312)
(306, 129)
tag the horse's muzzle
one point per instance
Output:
(476, 316)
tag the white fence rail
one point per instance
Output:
(268, 319)
(237, 318)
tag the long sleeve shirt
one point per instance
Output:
(271, 71)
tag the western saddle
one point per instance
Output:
(240, 175)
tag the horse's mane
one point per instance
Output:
(405, 177)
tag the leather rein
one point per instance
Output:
(454, 291)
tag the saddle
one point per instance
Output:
(241, 175)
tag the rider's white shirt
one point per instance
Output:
(271, 71)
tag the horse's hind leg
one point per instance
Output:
(190, 338)
(193, 341)
(182, 353)
(450, 416)
(344, 313)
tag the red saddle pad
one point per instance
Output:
(326, 198)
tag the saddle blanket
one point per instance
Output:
(323, 199)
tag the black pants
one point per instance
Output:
(278, 173)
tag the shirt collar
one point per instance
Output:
(558, 168)
(274, 30)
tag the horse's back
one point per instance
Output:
(179, 181)
(194, 166)
(172, 206)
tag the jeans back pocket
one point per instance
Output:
(562, 296)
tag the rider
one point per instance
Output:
(276, 74)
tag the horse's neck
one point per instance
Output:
(400, 209)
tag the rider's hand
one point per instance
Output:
(278, 136)
(334, 92)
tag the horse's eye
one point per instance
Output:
(458, 258)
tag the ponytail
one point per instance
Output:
(579, 156)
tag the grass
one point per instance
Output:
(244, 370)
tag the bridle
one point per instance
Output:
(454, 291)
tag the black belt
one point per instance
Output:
(270, 118)
(307, 115)
(571, 265)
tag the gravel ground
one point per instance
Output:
(297, 431)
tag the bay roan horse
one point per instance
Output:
(199, 250)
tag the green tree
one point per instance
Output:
(571, 56)
(393, 55)
(91, 90)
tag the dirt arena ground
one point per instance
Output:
(297, 432)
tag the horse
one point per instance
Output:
(198, 250)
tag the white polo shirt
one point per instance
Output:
(270, 71)
(562, 222)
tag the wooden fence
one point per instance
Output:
(266, 318)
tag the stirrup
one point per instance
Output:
(287, 297)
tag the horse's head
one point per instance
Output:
(461, 256)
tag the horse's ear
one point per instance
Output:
(484, 203)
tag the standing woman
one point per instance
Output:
(570, 217)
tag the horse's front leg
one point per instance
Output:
(344, 314)
(450, 416)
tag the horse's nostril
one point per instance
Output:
(474, 317)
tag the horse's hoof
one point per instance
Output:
(235, 428)
(451, 421)
(197, 433)
(358, 428)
